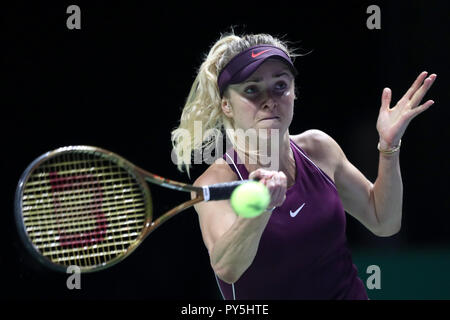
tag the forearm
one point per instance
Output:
(234, 252)
(388, 194)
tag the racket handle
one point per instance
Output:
(221, 191)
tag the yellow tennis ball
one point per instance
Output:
(250, 199)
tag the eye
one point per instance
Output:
(281, 85)
(251, 90)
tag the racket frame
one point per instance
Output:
(140, 175)
(18, 205)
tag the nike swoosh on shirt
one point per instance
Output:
(254, 55)
(293, 214)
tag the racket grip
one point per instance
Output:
(221, 191)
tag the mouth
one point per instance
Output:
(270, 118)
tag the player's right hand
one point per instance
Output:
(275, 181)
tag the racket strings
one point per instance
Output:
(82, 209)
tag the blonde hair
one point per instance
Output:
(203, 104)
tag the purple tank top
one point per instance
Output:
(303, 251)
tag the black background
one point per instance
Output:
(120, 83)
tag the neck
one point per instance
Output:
(273, 153)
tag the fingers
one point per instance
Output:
(415, 86)
(261, 174)
(419, 94)
(386, 98)
(276, 183)
(418, 110)
(275, 189)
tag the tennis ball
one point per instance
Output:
(250, 199)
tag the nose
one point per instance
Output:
(268, 100)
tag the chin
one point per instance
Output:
(269, 131)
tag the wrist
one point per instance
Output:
(389, 148)
(388, 144)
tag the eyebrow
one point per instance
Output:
(277, 75)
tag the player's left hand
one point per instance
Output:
(392, 122)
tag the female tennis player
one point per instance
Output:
(297, 249)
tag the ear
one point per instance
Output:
(226, 108)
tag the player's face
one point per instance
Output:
(265, 100)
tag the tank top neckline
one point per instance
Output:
(297, 161)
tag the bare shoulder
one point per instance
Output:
(320, 148)
(217, 172)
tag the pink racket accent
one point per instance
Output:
(79, 183)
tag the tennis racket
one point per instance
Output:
(89, 207)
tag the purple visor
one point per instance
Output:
(246, 62)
